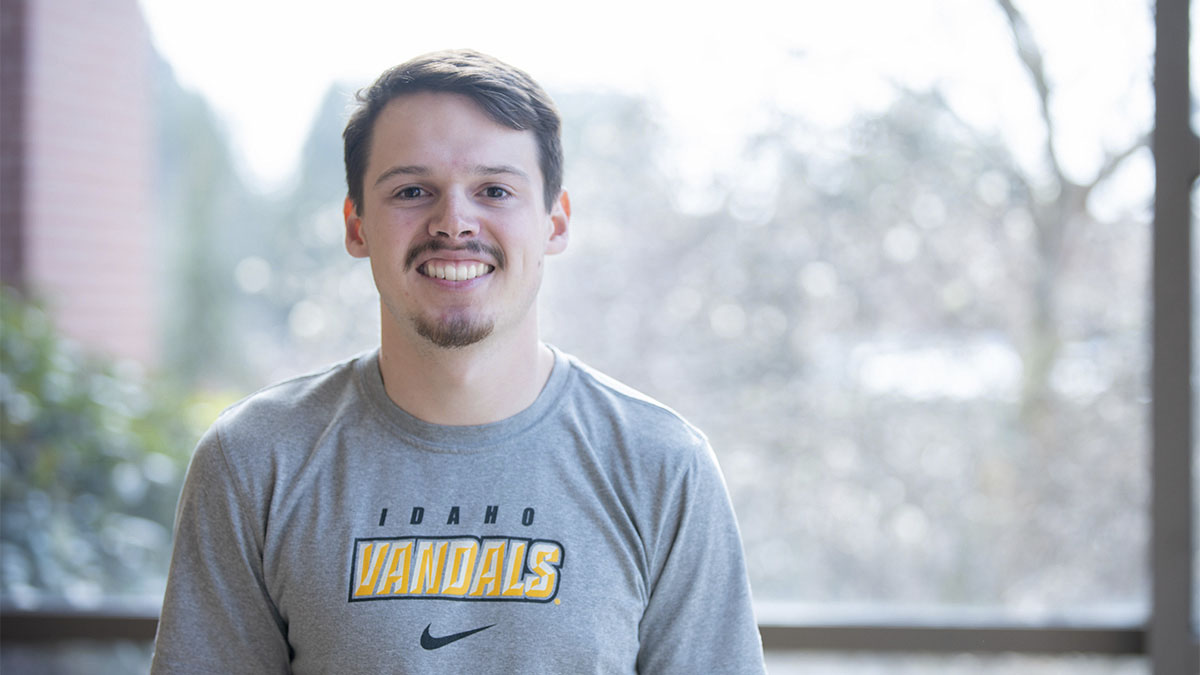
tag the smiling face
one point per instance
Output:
(453, 221)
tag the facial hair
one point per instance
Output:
(472, 245)
(455, 332)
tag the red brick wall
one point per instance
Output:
(87, 202)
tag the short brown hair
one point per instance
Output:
(506, 94)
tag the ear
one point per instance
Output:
(560, 221)
(356, 240)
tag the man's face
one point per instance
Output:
(454, 221)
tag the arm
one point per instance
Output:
(699, 616)
(217, 616)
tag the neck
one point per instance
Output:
(485, 382)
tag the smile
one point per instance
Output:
(452, 271)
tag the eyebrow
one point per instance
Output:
(500, 169)
(410, 170)
(479, 170)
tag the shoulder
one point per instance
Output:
(287, 417)
(262, 442)
(609, 406)
(294, 401)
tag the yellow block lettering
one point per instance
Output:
(457, 577)
(398, 566)
(487, 573)
(427, 569)
(543, 582)
(371, 559)
(514, 566)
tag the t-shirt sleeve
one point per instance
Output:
(699, 617)
(217, 616)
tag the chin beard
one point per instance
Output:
(453, 333)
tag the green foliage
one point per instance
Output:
(91, 460)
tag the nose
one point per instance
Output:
(454, 219)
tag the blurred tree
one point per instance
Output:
(91, 457)
(92, 450)
(920, 362)
(916, 357)
(318, 304)
(623, 205)
(209, 219)
(1061, 217)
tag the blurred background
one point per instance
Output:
(892, 257)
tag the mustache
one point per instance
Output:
(433, 245)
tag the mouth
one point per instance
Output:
(457, 263)
(454, 271)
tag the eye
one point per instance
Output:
(496, 192)
(410, 192)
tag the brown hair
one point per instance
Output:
(506, 94)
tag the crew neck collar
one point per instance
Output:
(454, 438)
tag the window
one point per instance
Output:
(904, 291)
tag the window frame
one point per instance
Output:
(1168, 637)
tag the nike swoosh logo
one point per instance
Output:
(430, 642)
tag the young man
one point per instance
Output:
(465, 499)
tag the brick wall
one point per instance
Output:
(88, 155)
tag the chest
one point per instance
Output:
(457, 568)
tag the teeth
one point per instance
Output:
(455, 272)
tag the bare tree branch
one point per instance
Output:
(996, 151)
(1031, 57)
(1113, 161)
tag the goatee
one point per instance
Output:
(453, 333)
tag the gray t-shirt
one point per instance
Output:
(322, 529)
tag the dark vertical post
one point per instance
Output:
(12, 147)
(1177, 159)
